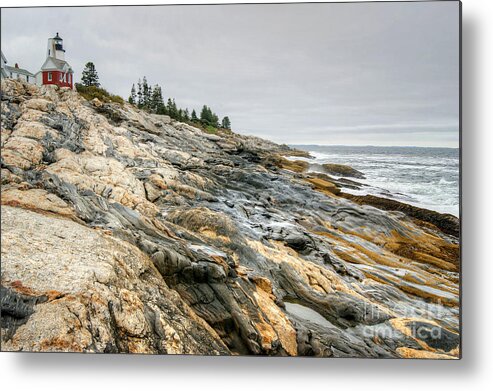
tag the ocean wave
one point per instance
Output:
(443, 181)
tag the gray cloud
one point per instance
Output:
(367, 73)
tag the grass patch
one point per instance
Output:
(210, 129)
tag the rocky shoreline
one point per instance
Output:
(124, 231)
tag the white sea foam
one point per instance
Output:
(424, 177)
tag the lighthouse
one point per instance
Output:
(55, 69)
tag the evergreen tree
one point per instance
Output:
(156, 99)
(169, 107)
(149, 98)
(206, 115)
(186, 115)
(162, 107)
(175, 108)
(132, 98)
(90, 76)
(139, 94)
(226, 123)
(194, 116)
(214, 120)
(146, 94)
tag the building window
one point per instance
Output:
(50, 76)
(61, 77)
(27, 79)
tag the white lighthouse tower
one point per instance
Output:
(55, 48)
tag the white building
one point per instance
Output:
(16, 72)
(20, 74)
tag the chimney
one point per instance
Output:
(16, 65)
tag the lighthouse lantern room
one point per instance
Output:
(55, 69)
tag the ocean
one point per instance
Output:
(424, 177)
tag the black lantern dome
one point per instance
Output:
(58, 42)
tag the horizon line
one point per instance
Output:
(369, 145)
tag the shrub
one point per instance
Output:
(91, 92)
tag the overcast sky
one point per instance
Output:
(353, 74)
